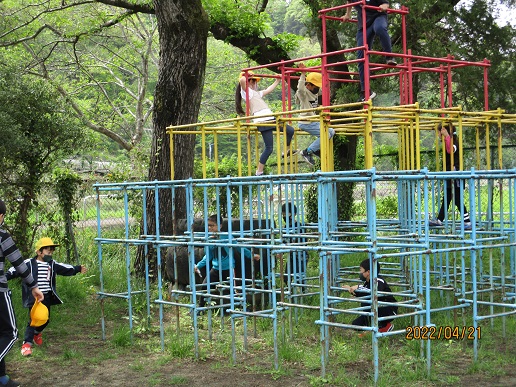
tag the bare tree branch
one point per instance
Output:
(128, 5)
(38, 15)
(263, 6)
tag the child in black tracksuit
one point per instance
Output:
(365, 290)
(44, 270)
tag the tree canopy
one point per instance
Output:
(37, 129)
(101, 56)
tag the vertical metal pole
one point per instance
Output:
(324, 268)
(410, 79)
(474, 283)
(367, 79)
(128, 263)
(428, 307)
(146, 250)
(368, 138)
(486, 87)
(371, 226)
(101, 273)
(450, 84)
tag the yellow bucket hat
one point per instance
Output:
(45, 242)
(250, 75)
(314, 79)
(38, 314)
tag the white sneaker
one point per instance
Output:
(391, 62)
(434, 223)
(308, 157)
(371, 97)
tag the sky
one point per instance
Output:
(506, 14)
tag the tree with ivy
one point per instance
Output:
(66, 185)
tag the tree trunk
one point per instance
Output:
(183, 30)
(345, 149)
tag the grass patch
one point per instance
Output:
(137, 358)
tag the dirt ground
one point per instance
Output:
(81, 358)
(140, 368)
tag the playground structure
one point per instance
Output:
(432, 271)
(475, 268)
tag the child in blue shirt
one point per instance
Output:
(219, 266)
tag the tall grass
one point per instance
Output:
(402, 362)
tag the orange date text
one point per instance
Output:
(442, 333)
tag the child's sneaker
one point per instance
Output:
(38, 338)
(391, 61)
(389, 327)
(467, 226)
(288, 154)
(371, 97)
(10, 383)
(434, 223)
(308, 157)
(26, 349)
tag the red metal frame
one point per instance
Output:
(411, 64)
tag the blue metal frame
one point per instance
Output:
(426, 262)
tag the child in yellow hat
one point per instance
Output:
(44, 269)
(307, 97)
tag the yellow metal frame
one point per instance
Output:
(356, 119)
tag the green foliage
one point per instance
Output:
(107, 76)
(122, 336)
(289, 42)
(347, 93)
(241, 16)
(223, 65)
(66, 186)
(67, 183)
(479, 37)
(180, 346)
(295, 19)
(311, 206)
(37, 130)
(360, 161)
(227, 166)
(387, 207)
(277, 9)
(245, 22)
(132, 167)
(71, 353)
(291, 353)
(385, 156)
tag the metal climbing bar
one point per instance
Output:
(432, 271)
(410, 124)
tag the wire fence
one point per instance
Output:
(472, 158)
